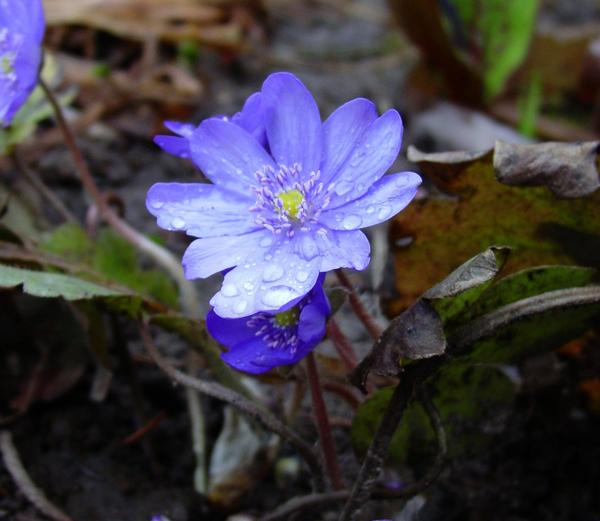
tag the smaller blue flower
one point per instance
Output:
(21, 33)
(265, 340)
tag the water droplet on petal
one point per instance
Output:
(272, 273)
(343, 187)
(229, 290)
(157, 204)
(370, 208)
(248, 286)
(279, 295)
(302, 276)
(178, 223)
(384, 212)
(351, 222)
(266, 241)
(240, 306)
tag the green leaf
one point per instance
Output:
(50, 285)
(112, 257)
(527, 283)
(466, 396)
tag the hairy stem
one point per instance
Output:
(161, 256)
(323, 425)
(359, 308)
(342, 345)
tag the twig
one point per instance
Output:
(344, 392)
(161, 256)
(39, 185)
(370, 469)
(361, 311)
(304, 502)
(238, 401)
(24, 482)
(323, 426)
(487, 324)
(342, 345)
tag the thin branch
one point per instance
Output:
(238, 401)
(323, 425)
(359, 308)
(342, 344)
(161, 256)
(39, 185)
(25, 484)
(304, 502)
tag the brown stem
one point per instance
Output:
(236, 400)
(359, 308)
(342, 345)
(323, 426)
(39, 185)
(142, 243)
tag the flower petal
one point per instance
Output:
(229, 331)
(384, 199)
(205, 257)
(311, 325)
(292, 121)
(251, 119)
(243, 356)
(342, 132)
(343, 249)
(177, 146)
(370, 159)
(202, 210)
(266, 281)
(228, 155)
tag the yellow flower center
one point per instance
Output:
(287, 318)
(6, 65)
(292, 199)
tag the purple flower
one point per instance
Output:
(266, 339)
(21, 33)
(282, 210)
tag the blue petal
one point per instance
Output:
(228, 331)
(292, 121)
(384, 199)
(311, 326)
(228, 155)
(268, 280)
(251, 118)
(342, 131)
(343, 249)
(243, 356)
(181, 129)
(202, 210)
(374, 153)
(178, 146)
(205, 257)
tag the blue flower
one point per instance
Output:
(21, 34)
(288, 197)
(265, 340)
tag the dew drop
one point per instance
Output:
(266, 241)
(351, 222)
(343, 187)
(370, 208)
(279, 295)
(302, 276)
(240, 306)
(383, 212)
(229, 290)
(157, 204)
(272, 273)
(248, 286)
(178, 223)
